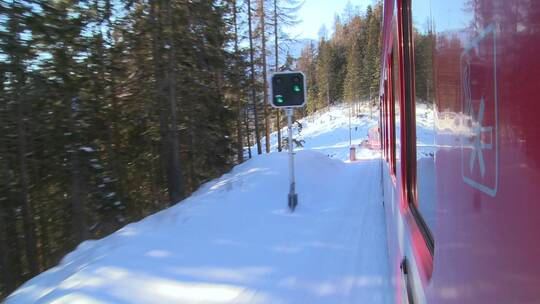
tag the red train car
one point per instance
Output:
(460, 129)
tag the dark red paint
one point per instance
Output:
(487, 239)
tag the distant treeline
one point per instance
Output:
(346, 66)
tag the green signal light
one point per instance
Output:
(297, 88)
(279, 99)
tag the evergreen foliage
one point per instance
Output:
(346, 66)
(111, 111)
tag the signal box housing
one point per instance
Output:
(288, 90)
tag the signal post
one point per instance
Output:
(288, 91)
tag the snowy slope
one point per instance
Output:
(327, 131)
(234, 241)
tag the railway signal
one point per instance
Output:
(288, 91)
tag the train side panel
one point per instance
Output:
(473, 236)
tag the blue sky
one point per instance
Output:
(315, 13)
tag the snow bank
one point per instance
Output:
(234, 241)
(328, 132)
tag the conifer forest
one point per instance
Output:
(111, 110)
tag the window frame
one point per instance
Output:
(384, 117)
(391, 115)
(408, 121)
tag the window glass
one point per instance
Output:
(395, 106)
(385, 116)
(424, 103)
(383, 119)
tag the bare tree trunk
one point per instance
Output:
(114, 134)
(15, 250)
(27, 213)
(248, 132)
(265, 80)
(175, 184)
(191, 142)
(8, 280)
(253, 92)
(19, 80)
(45, 243)
(239, 141)
(166, 101)
(39, 147)
(276, 69)
(159, 98)
(79, 224)
(10, 263)
(327, 94)
(6, 271)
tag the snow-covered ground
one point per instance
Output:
(234, 240)
(327, 131)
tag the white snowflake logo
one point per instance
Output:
(478, 144)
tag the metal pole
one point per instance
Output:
(350, 136)
(370, 105)
(293, 197)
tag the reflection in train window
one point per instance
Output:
(395, 107)
(384, 117)
(424, 101)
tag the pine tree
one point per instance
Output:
(276, 69)
(112, 110)
(324, 72)
(236, 88)
(175, 184)
(308, 64)
(8, 279)
(17, 52)
(352, 81)
(344, 66)
(262, 34)
(253, 84)
(284, 15)
(352, 84)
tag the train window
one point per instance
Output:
(386, 124)
(420, 153)
(424, 109)
(383, 118)
(394, 109)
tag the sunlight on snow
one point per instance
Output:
(158, 253)
(235, 241)
(340, 286)
(150, 289)
(79, 298)
(227, 182)
(237, 275)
